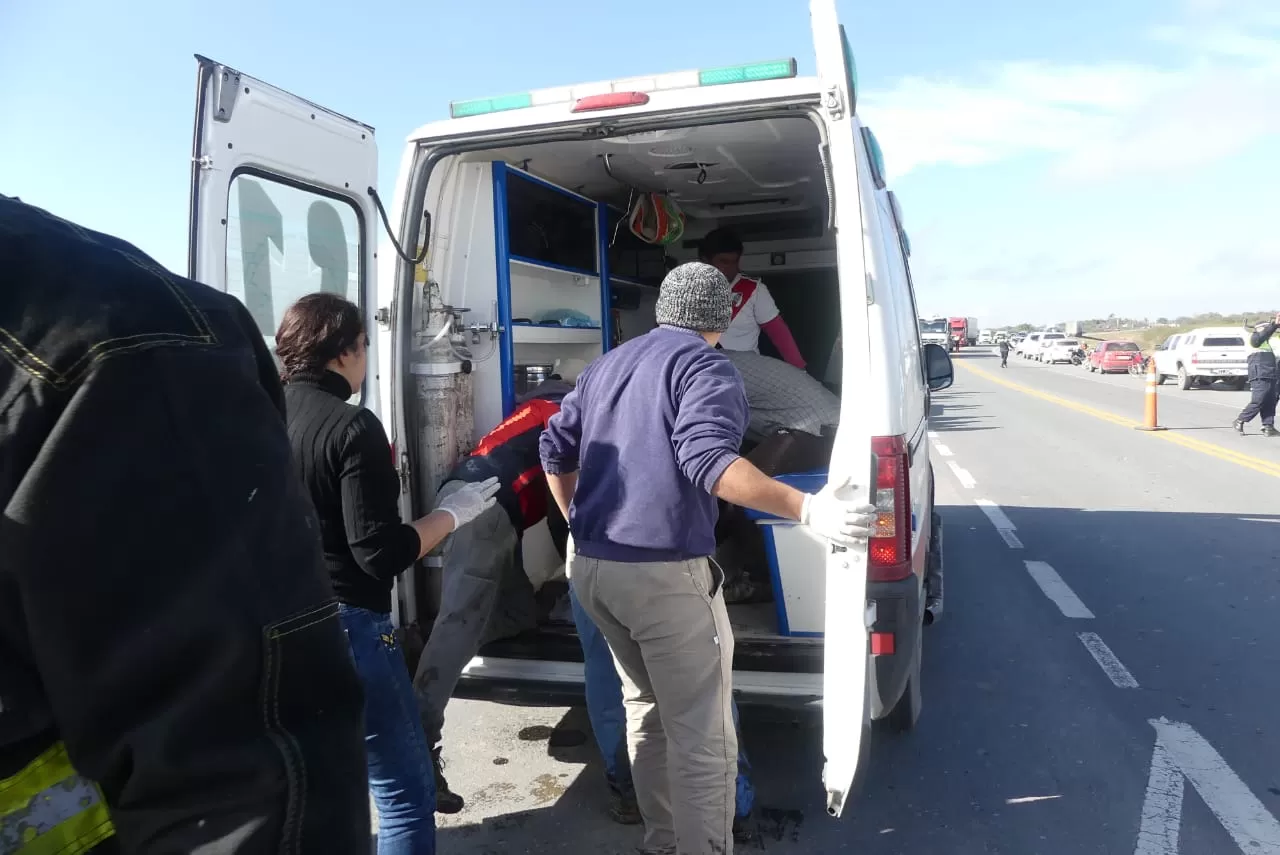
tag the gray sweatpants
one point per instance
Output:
(669, 632)
(484, 595)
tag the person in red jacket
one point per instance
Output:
(753, 306)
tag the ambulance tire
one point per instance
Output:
(906, 712)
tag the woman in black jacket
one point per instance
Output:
(344, 458)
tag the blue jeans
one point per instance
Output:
(400, 774)
(609, 720)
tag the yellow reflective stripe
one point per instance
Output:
(48, 808)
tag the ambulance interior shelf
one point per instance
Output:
(553, 302)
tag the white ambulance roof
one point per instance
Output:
(693, 97)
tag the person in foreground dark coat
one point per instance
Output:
(173, 675)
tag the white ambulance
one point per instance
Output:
(504, 252)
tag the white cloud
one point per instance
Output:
(1212, 96)
(1102, 120)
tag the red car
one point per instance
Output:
(1114, 356)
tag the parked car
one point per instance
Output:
(1111, 356)
(1201, 356)
(1046, 341)
(1027, 344)
(1059, 350)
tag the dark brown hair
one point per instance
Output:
(316, 330)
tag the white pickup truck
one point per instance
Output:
(1201, 356)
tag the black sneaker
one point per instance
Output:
(623, 808)
(1270, 430)
(1238, 425)
(743, 830)
(447, 801)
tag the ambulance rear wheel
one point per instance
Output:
(906, 712)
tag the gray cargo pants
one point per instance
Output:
(484, 595)
(669, 632)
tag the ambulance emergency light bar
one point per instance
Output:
(629, 92)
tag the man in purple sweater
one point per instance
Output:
(636, 459)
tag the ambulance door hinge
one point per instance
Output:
(403, 472)
(833, 103)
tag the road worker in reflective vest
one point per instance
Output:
(173, 676)
(1264, 379)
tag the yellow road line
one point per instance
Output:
(1257, 464)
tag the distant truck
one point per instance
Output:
(986, 337)
(964, 331)
(1073, 328)
(935, 331)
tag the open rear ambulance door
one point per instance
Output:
(845, 721)
(280, 200)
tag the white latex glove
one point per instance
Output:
(838, 520)
(470, 501)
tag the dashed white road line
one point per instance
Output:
(1180, 753)
(1003, 525)
(995, 514)
(1057, 590)
(962, 475)
(942, 449)
(1107, 661)
(1010, 539)
(1162, 806)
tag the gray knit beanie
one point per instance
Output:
(697, 297)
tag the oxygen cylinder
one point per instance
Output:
(443, 415)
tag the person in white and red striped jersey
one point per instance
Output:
(753, 306)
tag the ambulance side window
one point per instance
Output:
(285, 241)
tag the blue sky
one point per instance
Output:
(1053, 163)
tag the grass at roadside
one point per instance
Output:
(1148, 338)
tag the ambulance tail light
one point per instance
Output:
(629, 92)
(889, 548)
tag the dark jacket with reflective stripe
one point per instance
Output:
(1262, 363)
(163, 606)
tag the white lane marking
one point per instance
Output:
(1003, 525)
(933, 434)
(1057, 590)
(1259, 519)
(942, 449)
(995, 514)
(1107, 661)
(962, 475)
(1249, 823)
(1009, 538)
(1162, 806)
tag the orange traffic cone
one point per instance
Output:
(1150, 421)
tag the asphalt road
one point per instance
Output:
(1105, 679)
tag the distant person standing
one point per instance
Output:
(1004, 353)
(1263, 379)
